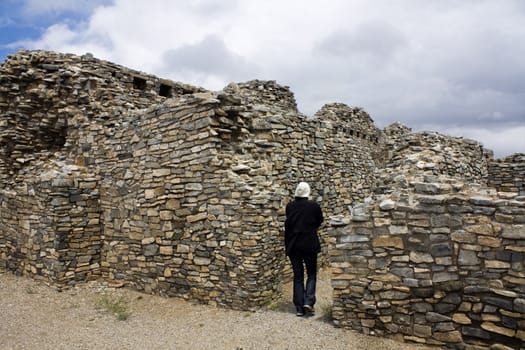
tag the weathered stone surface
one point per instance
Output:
(422, 331)
(421, 307)
(514, 232)
(435, 317)
(496, 264)
(489, 241)
(441, 249)
(499, 302)
(519, 305)
(423, 292)
(354, 238)
(387, 204)
(388, 241)
(476, 289)
(491, 327)
(420, 257)
(183, 248)
(444, 327)
(463, 236)
(430, 188)
(398, 230)
(403, 271)
(500, 347)
(448, 337)
(150, 249)
(202, 261)
(481, 229)
(475, 332)
(394, 295)
(444, 277)
(452, 298)
(163, 250)
(461, 318)
(196, 217)
(468, 257)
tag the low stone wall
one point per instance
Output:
(50, 227)
(433, 267)
(435, 154)
(507, 174)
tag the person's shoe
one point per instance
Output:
(299, 311)
(309, 309)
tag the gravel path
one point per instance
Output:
(36, 316)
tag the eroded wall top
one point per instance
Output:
(46, 97)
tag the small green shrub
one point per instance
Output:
(115, 305)
(327, 311)
(276, 306)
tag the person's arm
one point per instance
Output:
(287, 231)
(320, 217)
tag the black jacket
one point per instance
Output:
(303, 218)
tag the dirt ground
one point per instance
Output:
(37, 316)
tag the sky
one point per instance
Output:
(452, 66)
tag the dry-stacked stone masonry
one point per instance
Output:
(51, 225)
(437, 257)
(506, 175)
(106, 172)
(162, 186)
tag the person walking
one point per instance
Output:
(303, 218)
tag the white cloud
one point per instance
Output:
(504, 141)
(208, 62)
(60, 37)
(370, 39)
(451, 64)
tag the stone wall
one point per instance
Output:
(50, 226)
(334, 151)
(506, 175)
(187, 194)
(435, 264)
(47, 98)
(200, 206)
(180, 218)
(431, 153)
(107, 172)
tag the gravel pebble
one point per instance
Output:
(38, 316)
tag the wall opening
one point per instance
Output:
(55, 138)
(139, 83)
(165, 90)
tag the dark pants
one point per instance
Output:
(301, 295)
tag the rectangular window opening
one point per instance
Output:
(139, 83)
(165, 90)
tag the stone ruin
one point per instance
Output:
(110, 173)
